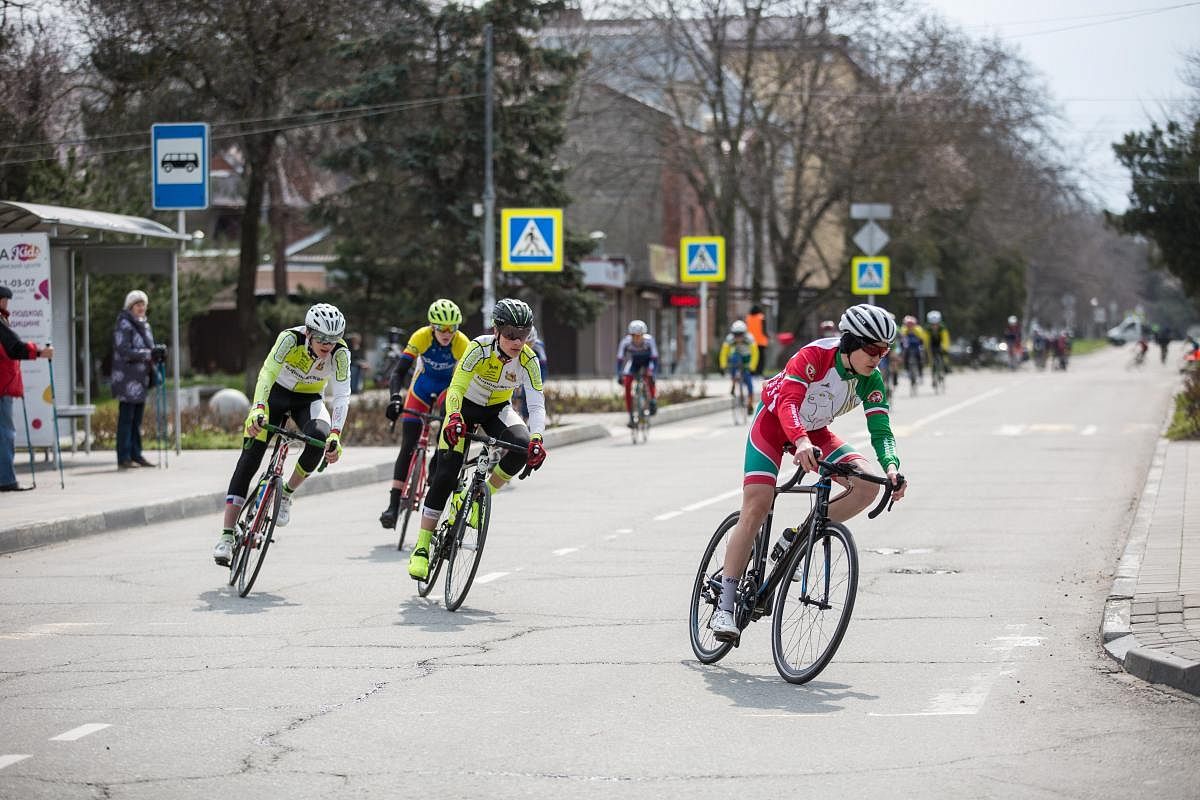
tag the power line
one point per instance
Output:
(1148, 13)
(287, 122)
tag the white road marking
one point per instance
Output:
(610, 537)
(971, 699)
(80, 732)
(562, 551)
(956, 407)
(1088, 431)
(668, 515)
(9, 760)
(1052, 427)
(491, 576)
(711, 500)
(792, 716)
(624, 530)
(48, 629)
(1010, 430)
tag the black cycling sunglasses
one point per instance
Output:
(513, 333)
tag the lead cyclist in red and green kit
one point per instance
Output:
(823, 380)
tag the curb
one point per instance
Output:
(64, 529)
(1151, 664)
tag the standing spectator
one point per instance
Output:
(12, 350)
(756, 324)
(133, 375)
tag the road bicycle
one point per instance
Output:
(416, 481)
(256, 524)
(937, 374)
(641, 409)
(808, 593)
(456, 543)
(912, 368)
(737, 394)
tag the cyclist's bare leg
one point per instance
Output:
(859, 496)
(756, 502)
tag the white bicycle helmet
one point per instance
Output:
(869, 323)
(325, 320)
(934, 317)
(737, 327)
(638, 327)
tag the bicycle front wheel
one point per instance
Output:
(258, 538)
(813, 604)
(739, 404)
(706, 593)
(437, 554)
(466, 546)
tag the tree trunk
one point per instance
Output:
(258, 159)
(277, 219)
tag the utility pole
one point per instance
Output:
(489, 188)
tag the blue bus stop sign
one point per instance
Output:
(179, 167)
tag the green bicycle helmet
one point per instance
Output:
(444, 312)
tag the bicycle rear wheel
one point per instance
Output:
(258, 538)
(739, 403)
(466, 546)
(813, 604)
(706, 592)
(415, 484)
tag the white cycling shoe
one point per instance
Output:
(724, 626)
(285, 510)
(223, 552)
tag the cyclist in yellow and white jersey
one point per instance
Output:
(291, 384)
(479, 394)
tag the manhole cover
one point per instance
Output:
(923, 571)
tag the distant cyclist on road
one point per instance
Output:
(480, 394)
(438, 345)
(1012, 341)
(938, 341)
(740, 354)
(291, 383)
(637, 355)
(823, 380)
(913, 341)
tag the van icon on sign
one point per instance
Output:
(185, 161)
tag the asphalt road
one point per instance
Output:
(972, 667)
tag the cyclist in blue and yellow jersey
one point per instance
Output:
(739, 353)
(913, 343)
(439, 345)
(479, 394)
(291, 383)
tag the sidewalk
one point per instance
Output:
(99, 498)
(1152, 616)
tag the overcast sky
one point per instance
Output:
(1110, 65)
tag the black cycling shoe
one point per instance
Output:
(388, 518)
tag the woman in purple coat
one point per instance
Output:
(133, 374)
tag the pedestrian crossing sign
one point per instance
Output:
(531, 239)
(870, 275)
(701, 258)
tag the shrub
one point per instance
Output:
(1185, 424)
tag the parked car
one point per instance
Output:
(1130, 329)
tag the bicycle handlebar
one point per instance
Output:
(298, 437)
(848, 470)
(492, 441)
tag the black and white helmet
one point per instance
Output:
(514, 312)
(869, 323)
(325, 320)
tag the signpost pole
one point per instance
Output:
(489, 188)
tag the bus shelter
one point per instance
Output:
(85, 243)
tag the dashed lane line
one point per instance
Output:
(562, 551)
(491, 576)
(9, 760)
(80, 732)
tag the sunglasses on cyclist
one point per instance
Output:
(322, 338)
(514, 334)
(875, 350)
(445, 328)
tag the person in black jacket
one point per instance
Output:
(12, 350)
